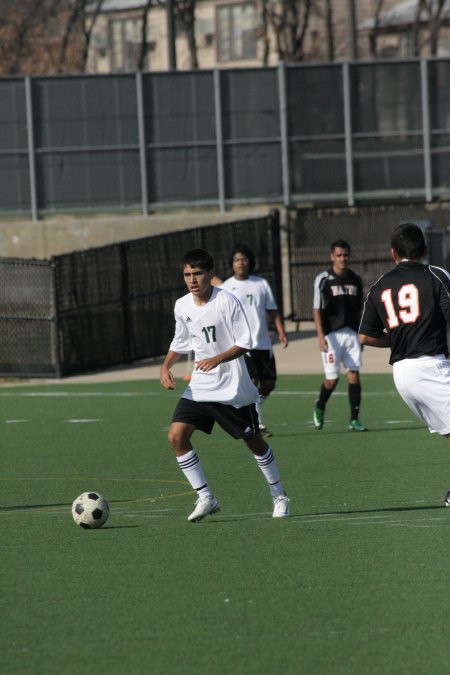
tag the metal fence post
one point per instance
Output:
(426, 129)
(142, 142)
(126, 338)
(282, 99)
(274, 223)
(31, 148)
(219, 141)
(55, 320)
(348, 134)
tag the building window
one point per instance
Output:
(125, 45)
(236, 32)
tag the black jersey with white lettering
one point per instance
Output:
(340, 298)
(412, 303)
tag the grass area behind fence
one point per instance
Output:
(354, 582)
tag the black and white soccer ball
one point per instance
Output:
(90, 510)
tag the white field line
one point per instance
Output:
(308, 423)
(335, 393)
(63, 394)
(125, 394)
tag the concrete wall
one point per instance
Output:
(52, 236)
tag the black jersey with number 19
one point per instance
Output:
(412, 303)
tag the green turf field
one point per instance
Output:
(356, 581)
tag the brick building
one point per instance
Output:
(230, 33)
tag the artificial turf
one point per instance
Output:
(355, 581)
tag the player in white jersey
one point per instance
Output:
(212, 322)
(257, 299)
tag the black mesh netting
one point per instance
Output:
(367, 230)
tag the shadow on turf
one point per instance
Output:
(26, 507)
(222, 519)
(329, 428)
(115, 527)
(389, 509)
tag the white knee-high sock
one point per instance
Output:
(269, 468)
(191, 466)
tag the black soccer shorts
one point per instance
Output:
(237, 422)
(261, 364)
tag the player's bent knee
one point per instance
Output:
(179, 436)
(256, 444)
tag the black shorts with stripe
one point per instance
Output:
(237, 422)
(261, 364)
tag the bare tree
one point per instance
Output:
(373, 35)
(185, 20)
(264, 34)
(144, 36)
(19, 25)
(427, 32)
(41, 36)
(78, 27)
(329, 30)
(434, 11)
(289, 20)
(415, 32)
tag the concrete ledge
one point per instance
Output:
(55, 235)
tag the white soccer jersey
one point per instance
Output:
(211, 329)
(256, 297)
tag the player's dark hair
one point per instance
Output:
(198, 257)
(247, 251)
(340, 243)
(408, 241)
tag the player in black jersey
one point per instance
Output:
(408, 310)
(337, 306)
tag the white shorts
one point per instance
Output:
(343, 347)
(424, 385)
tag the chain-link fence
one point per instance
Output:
(113, 305)
(367, 230)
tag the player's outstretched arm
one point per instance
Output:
(317, 315)
(381, 341)
(166, 378)
(213, 361)
(276, 318)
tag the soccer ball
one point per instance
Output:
(90, 510)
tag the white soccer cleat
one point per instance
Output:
(280, 507)
(447, 498)
(204, 506)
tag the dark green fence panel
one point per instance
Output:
(296, 134)
(14, 161)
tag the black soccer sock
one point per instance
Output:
(324, 395)
(354, 397)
